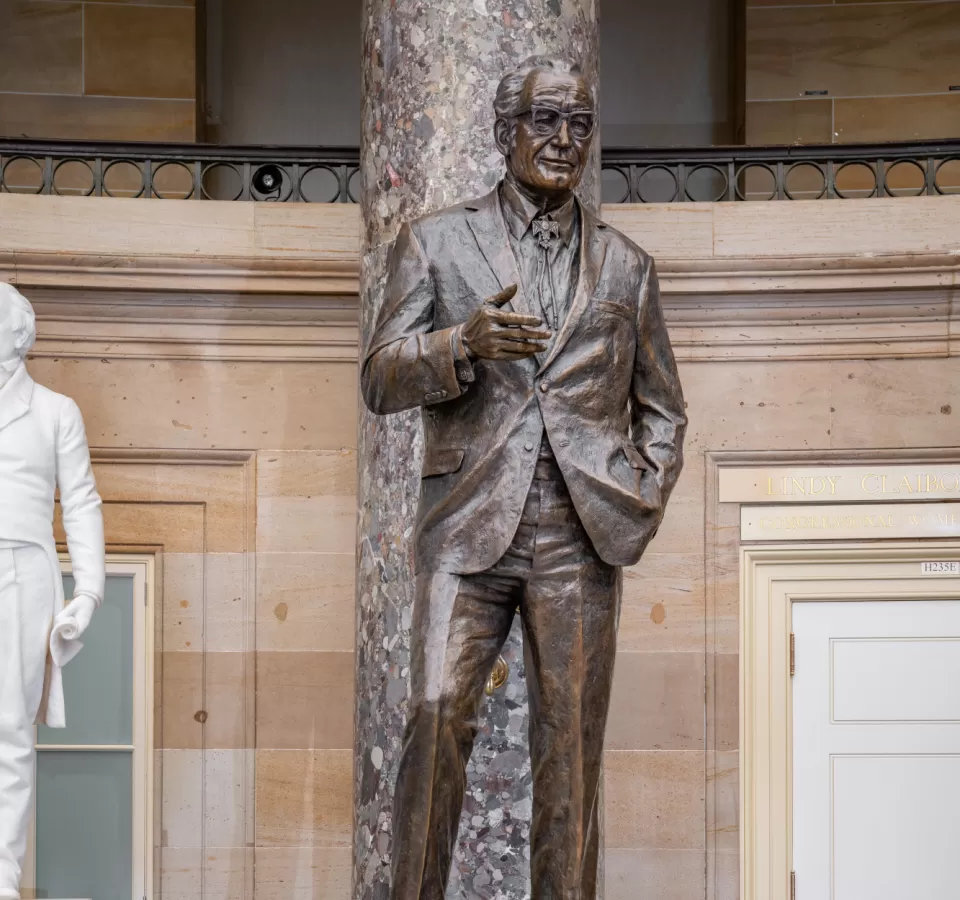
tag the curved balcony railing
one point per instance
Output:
(795, 172)
(331, 175)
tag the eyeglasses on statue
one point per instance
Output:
(548, 120)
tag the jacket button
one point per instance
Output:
(463, 375)
(544, 386)
(528, 447)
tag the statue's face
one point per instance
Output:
(552, 135)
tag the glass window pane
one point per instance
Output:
(98, 683)
(84, 824)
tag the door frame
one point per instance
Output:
(772, 579)
(142, 569)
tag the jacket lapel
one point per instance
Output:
(15, 397)
(490, 230)
(593, 250)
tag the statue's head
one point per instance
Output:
(546, 119)
(18, 324)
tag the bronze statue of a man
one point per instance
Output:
(531, 335)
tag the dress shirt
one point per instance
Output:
(563, 258)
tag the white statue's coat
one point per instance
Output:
(43, 447)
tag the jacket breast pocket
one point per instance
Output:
(442, 461)
(617, 309)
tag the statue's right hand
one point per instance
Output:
(492, 333)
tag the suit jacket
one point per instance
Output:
(43, 447)
(607, 392)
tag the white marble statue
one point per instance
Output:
(42, 447)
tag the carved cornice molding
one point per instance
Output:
(314, 249)
(870, 324)
(144, 456)
(339, 276)
(235, 327)
(256, 282)
(790, 275)
(920, 322)
(202, 274)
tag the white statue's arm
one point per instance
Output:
(83, 523)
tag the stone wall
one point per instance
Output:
(116, 70)
(848, 72)
(212, 349)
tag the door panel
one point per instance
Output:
(889, 680)
(84, 824)
(896, 820)
(876, 749)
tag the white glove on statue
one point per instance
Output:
(69, 624)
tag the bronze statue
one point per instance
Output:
(531, 335)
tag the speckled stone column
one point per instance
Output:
(430, 71)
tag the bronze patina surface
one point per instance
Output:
(531, 335)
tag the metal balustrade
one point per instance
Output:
(180, 171)
(795, 172)
(331, 175)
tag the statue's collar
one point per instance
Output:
(19, 384)
(15, 396)
(519, 211)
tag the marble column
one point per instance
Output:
(430, 71)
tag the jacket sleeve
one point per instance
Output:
(658, 421)
(80, 504)
(407, 364)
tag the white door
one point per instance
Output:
(876, 750)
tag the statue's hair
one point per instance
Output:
(22, 316)
(509, 100)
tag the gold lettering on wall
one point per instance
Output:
(822, 484)
(812, 486)
(853, 521)
(871, 489)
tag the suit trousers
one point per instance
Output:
(569, 603)
(26, 612)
